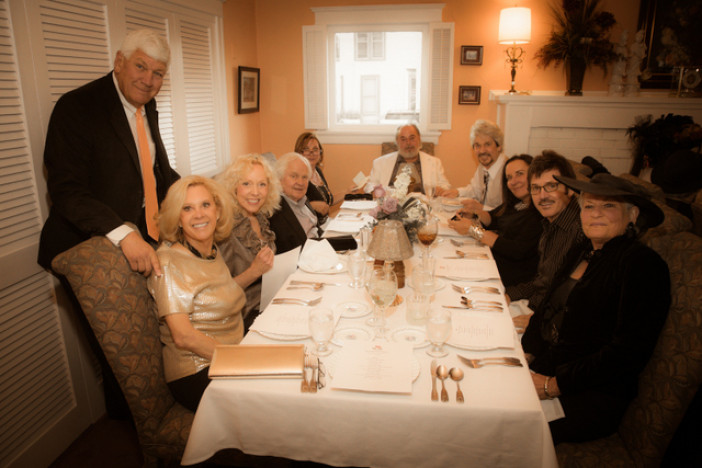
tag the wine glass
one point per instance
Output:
(321, 323)
(382, 287)
(426, 234)
(438, 331)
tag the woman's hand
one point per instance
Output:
(471, 207)
(540, 382)
(446, 193)
(185, 336)
(461, 225)
(263, 261)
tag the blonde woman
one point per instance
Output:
(199, 303)
(250, 249)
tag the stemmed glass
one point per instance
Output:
(426, 234)
(321, 323)
(382, 287)
(438, 331)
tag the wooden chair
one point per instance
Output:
(670, 379)
(121, 312)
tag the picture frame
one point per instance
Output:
(471, 55)
(469, 95)
(663, 50)
(249, 85)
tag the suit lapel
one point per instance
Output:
(118, 120)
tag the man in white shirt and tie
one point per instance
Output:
(484, 192)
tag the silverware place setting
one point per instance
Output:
(296, 301)
(474, 302)
(490, 361)
(480, 289)
(314, 283)
(474, 307)
(469, 256)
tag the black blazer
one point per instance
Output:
(288, 231)
(92, 165)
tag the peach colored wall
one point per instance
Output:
(278, 30)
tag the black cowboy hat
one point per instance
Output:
(607, 185)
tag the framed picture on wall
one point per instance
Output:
(469, 94)
(471, 55)
(249, 89)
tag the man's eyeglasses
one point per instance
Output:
(312, 151)
(548, 188)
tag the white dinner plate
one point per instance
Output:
(338, 268)
(477, 348)
(281, 337)
(415, 336)
(439, 284)
(351, 309)
(354, 334)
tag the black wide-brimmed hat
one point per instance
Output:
(607, 185)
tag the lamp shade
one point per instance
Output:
(390, 242)
(515, 26)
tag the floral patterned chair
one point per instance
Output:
(120, 311)
(670, 379)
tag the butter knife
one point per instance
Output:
(434, 393)
(476, 308)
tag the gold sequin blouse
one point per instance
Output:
(203, 289)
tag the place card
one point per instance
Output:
(478, 332)
(374, 367)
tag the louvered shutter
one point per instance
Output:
(440, 76)
(314, 53)
(35, 389)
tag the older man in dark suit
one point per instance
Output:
(97, 149)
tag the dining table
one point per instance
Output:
(499, 424)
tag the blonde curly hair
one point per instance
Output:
(237, 170)
(171, 207)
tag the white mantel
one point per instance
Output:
(577, 126)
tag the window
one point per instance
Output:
(368, 69)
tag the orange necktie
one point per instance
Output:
(147, 176)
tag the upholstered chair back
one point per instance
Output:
(121, 312)
(670, 379)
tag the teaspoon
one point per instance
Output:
(442, 373)
(457, 375)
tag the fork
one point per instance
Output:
(314, 287)
(466, 301)
(313, 364)
(457, 243)
(468, 289)
(305, 386)
(488, 361)
(295, 301)
(470, 256)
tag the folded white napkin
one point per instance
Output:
(318, 256)
(359, 204)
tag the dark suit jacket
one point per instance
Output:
(92, 165)
(288, 231)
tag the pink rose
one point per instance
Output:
(389, 205)
(378, 191)
(374, 212)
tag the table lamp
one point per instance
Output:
(515, 28)
(390, 243)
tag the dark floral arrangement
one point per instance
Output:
(581, 31)
(395, 204)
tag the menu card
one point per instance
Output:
(471, 331)
(464, 268)
(374, 367)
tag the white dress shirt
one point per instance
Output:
(491, 198)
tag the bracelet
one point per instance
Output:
(476, 232)
(548, 395)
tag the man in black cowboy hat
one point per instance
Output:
(600, 319)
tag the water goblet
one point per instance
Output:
(382, 287)
(357, 263)
(438, 331)
(321, 323)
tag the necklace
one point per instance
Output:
(212, 256)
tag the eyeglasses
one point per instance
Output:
(548, 188)
(312, 151)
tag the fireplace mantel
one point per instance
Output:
(576, 126)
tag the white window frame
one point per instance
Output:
(436, 72)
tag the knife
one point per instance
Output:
(316, 282)
(434, 393)
(477, 309)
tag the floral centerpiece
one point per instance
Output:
(394, 203)
(580, 39)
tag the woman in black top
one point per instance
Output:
(513, 228)
(318, 191)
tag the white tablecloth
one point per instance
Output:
(500, 424)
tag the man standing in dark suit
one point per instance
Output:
(94, 143)
(102, 138)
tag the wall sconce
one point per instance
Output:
(515, 28)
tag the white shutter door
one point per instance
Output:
(440, 76)
(314, 61)
(197, 54)
(35, 389)
(137, 19)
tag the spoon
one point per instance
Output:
(457, 375)
(442, 373)
(314, 287)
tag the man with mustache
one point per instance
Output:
(426, 171)
(561, 226)
(484, 192)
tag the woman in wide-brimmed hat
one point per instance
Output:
(600, 320)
